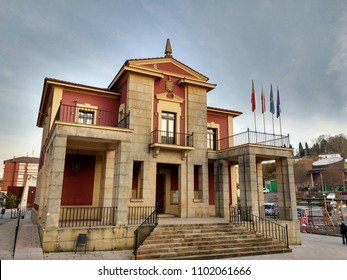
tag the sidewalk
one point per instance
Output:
(314, 247)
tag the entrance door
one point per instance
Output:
(160, 193)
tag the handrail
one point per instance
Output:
(254, 137)
(144, 230)
(91, 116)
(268, 228)
(172, 138)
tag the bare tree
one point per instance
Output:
(302, 169)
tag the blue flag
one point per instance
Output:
(278, 104)
(272, 102)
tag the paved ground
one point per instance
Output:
(314, 247)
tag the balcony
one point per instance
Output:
(253, 137)
(91, 116)
(171, 140)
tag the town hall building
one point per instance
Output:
(147, 142)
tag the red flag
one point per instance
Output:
(253, 97)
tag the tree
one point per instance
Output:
(302, 169)
(301, 150)
(307, 150)
(333, 175)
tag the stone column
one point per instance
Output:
(106, 194)
(248, 182)
(260, 189)
(222, 188)
(55, 185)
(233, 183)
(286, 187)
(122, 182)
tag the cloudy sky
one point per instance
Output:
(299, 46)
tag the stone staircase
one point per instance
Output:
(206, 241)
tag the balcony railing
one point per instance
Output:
(87, 216)
(172, 138)
(90, 116)
(254, 137)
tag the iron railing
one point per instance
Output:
(254, 137)
(137, 214)
(278, 213)
(172, 138)
(144, 230)
(87, 216)
(91, 116)
(244, 217)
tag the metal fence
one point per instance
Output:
(87, 216)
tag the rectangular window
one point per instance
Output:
(212, 139)
(198, 194)
(168, 129)
(85, 117)
(137, 185)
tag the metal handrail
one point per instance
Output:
(144, 230)
(254, 137)
(74, 114)
(268, 228)
(87, 216)
(172, 138)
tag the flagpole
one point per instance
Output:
(263, 106)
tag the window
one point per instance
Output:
(211, 138)
(137, 180)
(198, 194)
(85, 117)
(168, 121)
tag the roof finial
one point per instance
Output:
(168, 50)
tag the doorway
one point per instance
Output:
(160, 193)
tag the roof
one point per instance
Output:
(142, 66)
(23, 160)
(327, 161)
(221, 110)
(48, 82)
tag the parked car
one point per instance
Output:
(270, 209)
(344, 192)
(265, 190)
(331, 196)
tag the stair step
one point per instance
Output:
(206, 241)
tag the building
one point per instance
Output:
(18, 174)
(110, 156)
(329, 174)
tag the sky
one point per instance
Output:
(298, 46)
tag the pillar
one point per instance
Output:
(248, 182)
(122, 181)
(222, 188)
(286, 186)
(55, 185)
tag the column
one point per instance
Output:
(55, 186)
(286, 187)
(122, 182)
(248, 182)
(221, 188)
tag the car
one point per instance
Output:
(344, 193)
(331, 196)
(265, 190)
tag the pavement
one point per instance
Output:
(28, 247)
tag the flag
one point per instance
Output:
(272, 102)
(278, 103)
(263, 106)
(253, 98)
